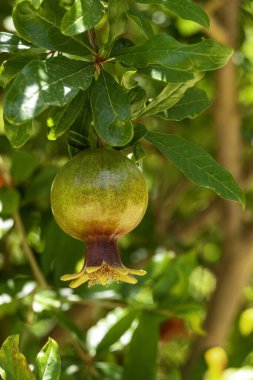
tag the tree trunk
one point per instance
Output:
(235, 268)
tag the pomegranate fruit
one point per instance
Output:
(98, 196)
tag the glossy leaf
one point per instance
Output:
(117, 17)
(48, 363)
(141, 21)
(190, 105)
(13, 362)
(117, 330)
(141, 356)
(11, 68)
(161, 74)
(185, 9)
(10, 43)
(111, 111)
(47, 35)
(168, 97)
(18, 134)
(40, 84)
(59, 119)
(164, 50)
(197, 165)
(83, 15)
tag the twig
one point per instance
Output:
(38, 275)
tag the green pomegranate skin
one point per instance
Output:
(99, 195)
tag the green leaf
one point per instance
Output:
(141, 356)
(137, 97)
(47, 35)
(11, 68)
(141, 21)
(117, 17)
(190, 105)
(40, 84)
(111, 111)
(140, 131)
(13, 362)
(59, 119)
(164, 50)
(9, 43)
(23, 165)
(9, 201)
(18, 134)
(169, 96)
(117, 330)
(197, 165)
(36, 3)
(48, 363)
(185, 9)
(161, 74)
(83, 15)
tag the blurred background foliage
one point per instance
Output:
(123, 331)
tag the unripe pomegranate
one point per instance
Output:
(98, 196)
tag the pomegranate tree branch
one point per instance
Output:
(38, 275)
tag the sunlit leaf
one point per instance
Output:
(10, 43)
(13, 362)
(164, 50)
(48, 363)
(83, 15)
(40, 84)
(47, 19)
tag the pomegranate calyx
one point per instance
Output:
(104, 274)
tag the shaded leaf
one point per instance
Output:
(59, 119)
(197, 165)
(117, 17)
(190, 105)
(23, 165)
(168, 97)
(141, 21)
(11, 68)
(48, 363)
(40, 84)
(47, 35)
(137, 98)
(18, 134)
(13, 362)
(9, 201)
(10, 43)
(111, 111)
(141, 356)
(83, 15)
(164, 50)
(61, 251)
(117, 330)
(185, 9)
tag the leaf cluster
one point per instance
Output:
(74, 67)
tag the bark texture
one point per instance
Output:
(235, 269)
